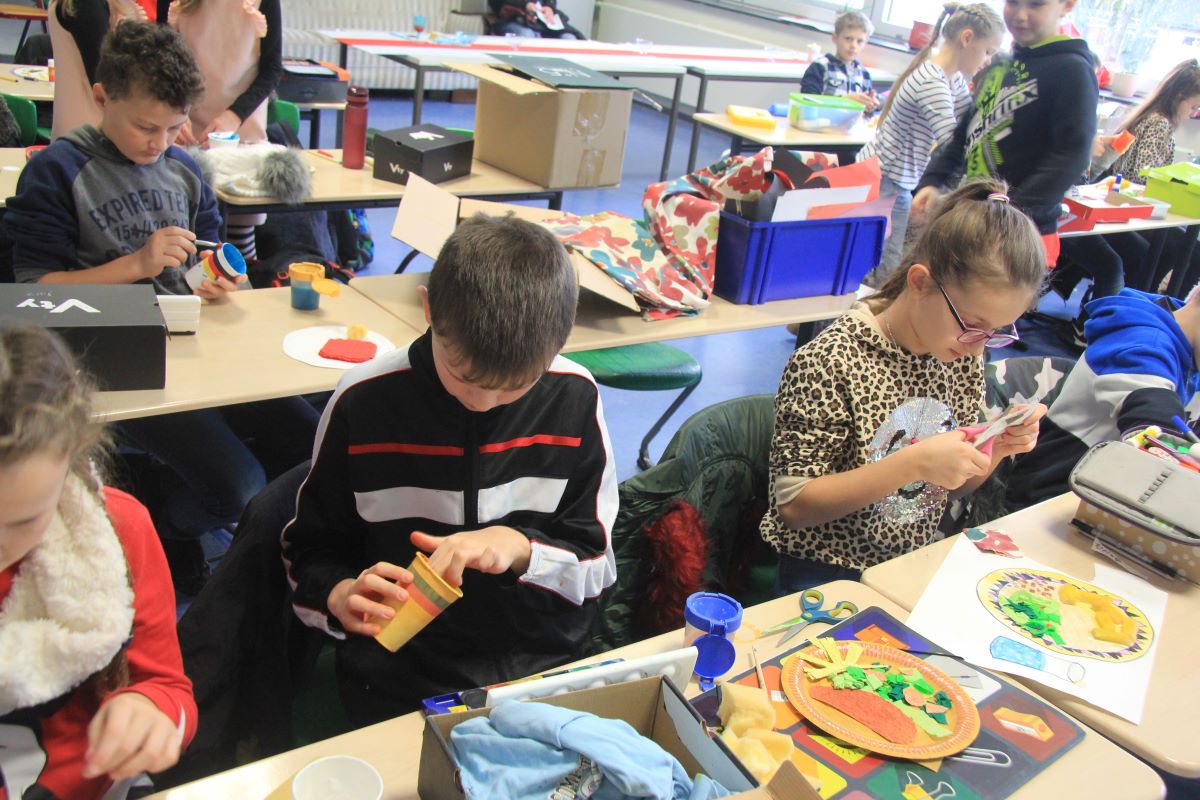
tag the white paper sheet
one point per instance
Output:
(959, 611)
(796, 204)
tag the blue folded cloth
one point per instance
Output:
(538, 751)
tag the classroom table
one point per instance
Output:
(394, 747)
(425, 55)
(237, 354)
(335, 187)
(844, 145)
(36, 89)
(312, 111)
(602, 323)
(12, 161)
(1166, 736)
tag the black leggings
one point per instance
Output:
(1113, 261)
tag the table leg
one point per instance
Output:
(1181, 273)
(418, 93)
(1154, 257)
(314, 129)
(343, 54)
(671, 123)
(736, 144)
(555, 201)
(700, 97)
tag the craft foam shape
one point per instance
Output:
(1028, 724)
(1112, 623)
(354, 351)
(871, 710)
(428, 596)
(356, 331)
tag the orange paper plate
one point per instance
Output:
(962, 719)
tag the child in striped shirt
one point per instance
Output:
(922, 109)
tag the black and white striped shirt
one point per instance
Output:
(922, 116)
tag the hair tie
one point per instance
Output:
(999, 197)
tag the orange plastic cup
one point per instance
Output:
(428, 596)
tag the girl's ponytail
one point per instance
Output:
(920, 58)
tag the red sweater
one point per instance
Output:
(155, 670)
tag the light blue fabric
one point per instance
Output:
(527, 750)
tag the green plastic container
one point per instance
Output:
(1177, 184)
(823, 112)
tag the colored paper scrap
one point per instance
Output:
(992, 541)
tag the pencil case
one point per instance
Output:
(751, 117)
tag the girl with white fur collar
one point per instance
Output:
(92, 690)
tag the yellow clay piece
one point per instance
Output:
(356, 331)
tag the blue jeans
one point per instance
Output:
(219, 472)
(798, 574)
(893, 248)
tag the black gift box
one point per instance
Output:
(308, 81)
(117, 332)
(432, 152)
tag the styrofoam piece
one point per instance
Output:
(675, 665)
(181, 313)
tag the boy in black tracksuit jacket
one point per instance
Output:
(419, 450)
(1031, 124)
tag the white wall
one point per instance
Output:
(683, 22)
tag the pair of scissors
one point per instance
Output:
(811, 604)
(983, 436)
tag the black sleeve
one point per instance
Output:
(813, 81)
(88, 26)
(270, 63)
(949, 159)
(1149, 406)
(161, 15)
(1068, 146)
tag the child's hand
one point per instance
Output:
(948, 460)
(1100, 144)
(868, 99)
(128, 736)
(356, 602)
(1018, 438)
(224, 122)
(215, 291)
(492, 550)
(166, 247)
(922, 205)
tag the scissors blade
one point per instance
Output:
(795, 629)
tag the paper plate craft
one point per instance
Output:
(1065, 615)
(881, 699)
(33, 73)
(915, 419)
(335, 346)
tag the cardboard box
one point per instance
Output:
(430, 151)
(117, 332)
(559, 138)
(655, 709)
(428, 215)
(1088, 212)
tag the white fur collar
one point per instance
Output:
(70, 609)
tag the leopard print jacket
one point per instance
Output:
(1154, 147)
(835, 393)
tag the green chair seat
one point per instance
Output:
(651, 367)
(25, 114)
(285, 113)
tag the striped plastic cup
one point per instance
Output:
(428, 596)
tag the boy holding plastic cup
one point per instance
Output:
(118, 202)
(481, 447)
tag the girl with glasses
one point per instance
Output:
(976, 268)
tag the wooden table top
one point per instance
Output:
(1165, 736)
(785, 135)
(394, 747)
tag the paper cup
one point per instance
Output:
(337, 778)
(224, 139)
(224, 262)
(428, 596)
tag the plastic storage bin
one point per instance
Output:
(1177, 184)
(762, 261)
(821, 112)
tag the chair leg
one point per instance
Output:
(408, 259)
(644, 461)
(24, 35)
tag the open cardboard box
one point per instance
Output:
(558, 138)
(655, 709)
(428, 215)
(1088, 212)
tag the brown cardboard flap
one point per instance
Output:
(426, 217)
(503, 78)
(788, 784)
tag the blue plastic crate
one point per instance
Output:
(762, 261)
